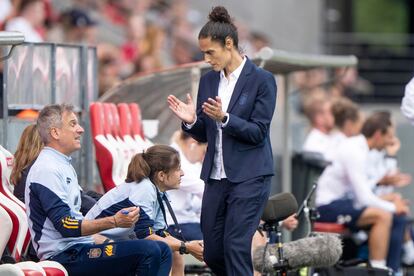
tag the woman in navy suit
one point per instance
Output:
(235, 106)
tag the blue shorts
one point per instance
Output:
(341, 209)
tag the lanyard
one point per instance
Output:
(165, 199)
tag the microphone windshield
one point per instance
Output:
(320, 251)
(279, 207)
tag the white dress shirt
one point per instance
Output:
(347, 177)
(225, 91)
(186, 201)
(378, 166)
(320, 142)
(407, 105)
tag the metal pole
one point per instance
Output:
(5, 105)
(195, 79)
(286, 153)
(53, 74)
(86, 172)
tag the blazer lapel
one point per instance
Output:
(244, 76)
(215, 85)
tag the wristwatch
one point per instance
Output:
(183, 249)
(223, 121)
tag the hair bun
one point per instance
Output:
(220, 14)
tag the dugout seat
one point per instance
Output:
(19, 234)
(6, 226)
(105, 154)
(113, 122)
(10, 270)
(125, 128)
(31, 268)
(137, 127)
(52, 268)
(6, 165)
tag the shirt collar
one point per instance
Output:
(363, 141)
(162, 194)
(236, 73)
(60, 155)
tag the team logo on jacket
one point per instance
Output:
(9, 161)
(94, 253)
(109, 250)
(243, 99)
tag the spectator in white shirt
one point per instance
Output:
(344, 191)
(186, 201)
(382, 169)
(348, 120)
(407, 105)
(318, 111)
(6, 10)
(31, 17)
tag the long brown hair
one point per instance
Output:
(155, 159)
(28, 148)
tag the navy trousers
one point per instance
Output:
(132, 257)
(399, 223)
(230, 215)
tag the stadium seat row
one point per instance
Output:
(117, 135)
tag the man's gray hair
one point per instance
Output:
(51, 116)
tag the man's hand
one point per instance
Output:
(401, 207)
(391, 197)
(290, 223)
(396, 179)
(394, 147)
(196, 248)
(213, 109)
(403, 179)
(184, 111)
(100, 239)
(126, 217)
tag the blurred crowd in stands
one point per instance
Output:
(132, 36)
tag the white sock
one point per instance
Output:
(408, 246)
(378, 263)
(408, 254)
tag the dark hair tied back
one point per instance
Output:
(220, 14)
(154, 159)
(219, 27)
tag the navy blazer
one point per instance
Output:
(247, 152)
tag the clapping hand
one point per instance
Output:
(185, 111)
(213, 109)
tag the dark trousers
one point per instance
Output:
(132, 257)
(399, 223)
(230, 215)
